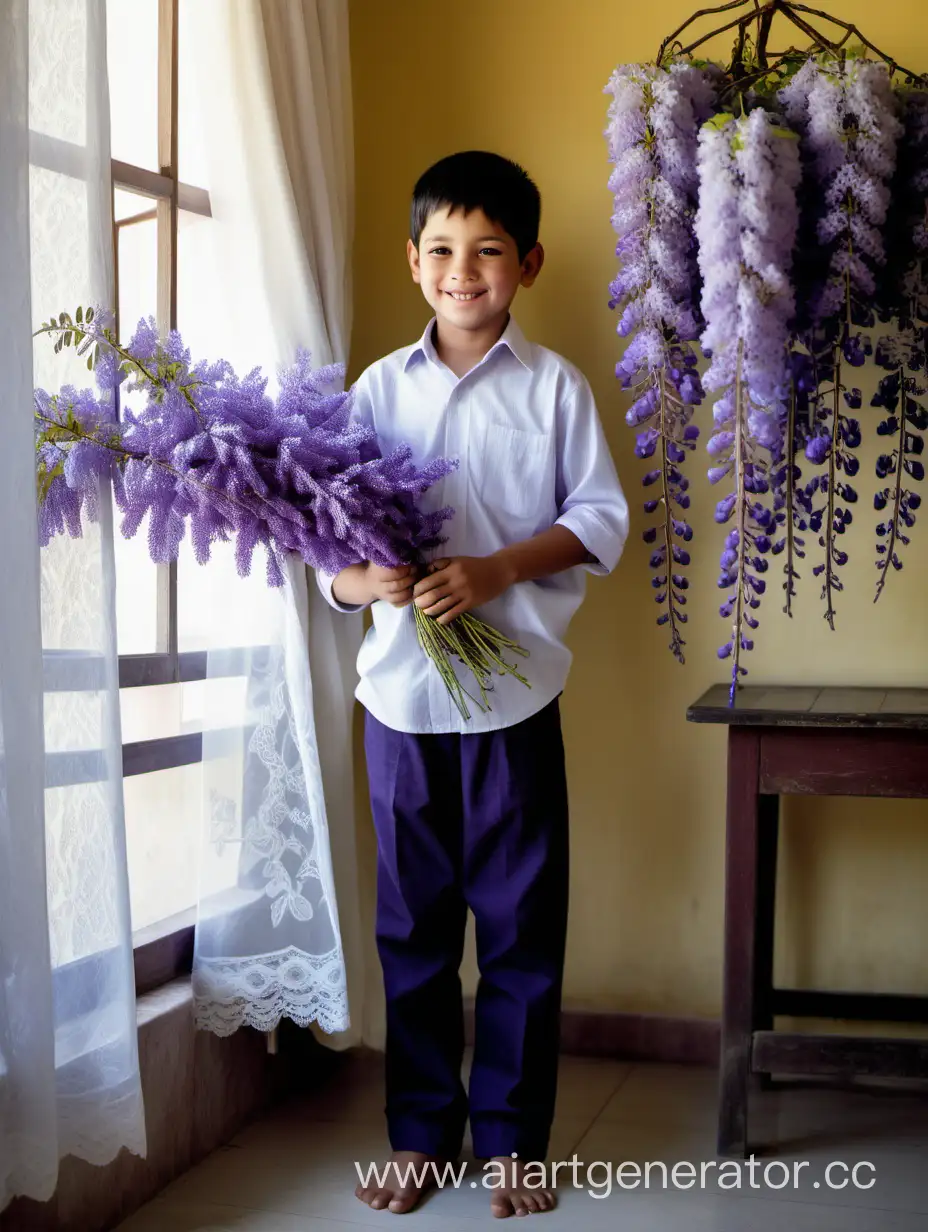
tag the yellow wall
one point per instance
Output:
(525, 78)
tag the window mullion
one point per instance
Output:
(140, 180)
(167, 261)
(167, 155)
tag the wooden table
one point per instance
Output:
(819, 742)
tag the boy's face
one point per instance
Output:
(469, 269)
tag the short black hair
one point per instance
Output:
(477, 180)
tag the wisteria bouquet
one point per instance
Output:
(771, 212)
(212, 455)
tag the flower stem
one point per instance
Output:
(887, 560)
(477, 646)
(107, 340)
(790, 570)
(829, 587)
(676, 641)
(101, 340)
(741, 526)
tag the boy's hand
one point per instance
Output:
(454, 587)
(393, 586)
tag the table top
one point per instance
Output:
(811, 706)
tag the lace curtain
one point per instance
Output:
(69, 1078)
(270, 941)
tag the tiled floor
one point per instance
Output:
(295, 1170)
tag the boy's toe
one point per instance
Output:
(404, 1200)
(501, 1206)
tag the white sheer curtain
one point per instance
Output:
(69, 1078)
(270, 941)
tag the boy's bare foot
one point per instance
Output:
(401, 1192)
(514, 1196)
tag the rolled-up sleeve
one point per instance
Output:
(325, 581)
(590, 499)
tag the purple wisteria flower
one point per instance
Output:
(746, 225)
(654, 118)
(846, 113)
(904, 354)
(212, 455)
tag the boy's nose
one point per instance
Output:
(462, 271)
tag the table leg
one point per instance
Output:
(741, 868)
(768, 822)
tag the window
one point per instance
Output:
(162, 217)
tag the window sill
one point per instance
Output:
(163, 951)
(161, 1002)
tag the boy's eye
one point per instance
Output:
(489, 252)
(439, 252)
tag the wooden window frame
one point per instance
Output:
(162, 189)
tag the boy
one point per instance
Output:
(474, 814)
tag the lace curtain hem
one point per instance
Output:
(97, 1133)
(260, 990)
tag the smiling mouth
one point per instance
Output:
(464, 297)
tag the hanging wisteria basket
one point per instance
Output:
(771, 212)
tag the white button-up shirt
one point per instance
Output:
(532, 454)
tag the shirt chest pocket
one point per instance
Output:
(513, 472)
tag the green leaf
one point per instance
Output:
(79, 316)
(56, 434)
(89, 314)
(719, 121)
(45, 477)
(67, 339)
(90, 363)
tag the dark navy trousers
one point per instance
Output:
(473, 821)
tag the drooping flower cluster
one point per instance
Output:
(904, 354)
(654, 119)
(846, 113)
(214, 456)
(77, 441)
(746, 226)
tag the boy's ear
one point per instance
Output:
(412, 255)
(531, 265)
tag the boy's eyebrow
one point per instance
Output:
(444, 239)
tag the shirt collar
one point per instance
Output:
(511, 338)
